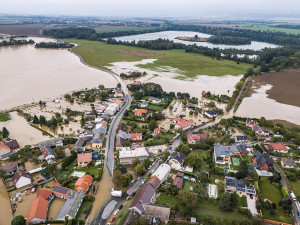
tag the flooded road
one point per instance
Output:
(102, 195)
(28, 74)
(5, 209)
(55, 207)
(259, 105)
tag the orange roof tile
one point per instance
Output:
(44, 193)
(140, 111)
(83, 183)
(84, 157)
(38, 209)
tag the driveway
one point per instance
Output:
(251, 205)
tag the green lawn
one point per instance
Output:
(273, 193)
(4, 117)
(242, 201)
(189, 64)
(235, 162)
(165, 199)
(271, 29)
(296, 187)
(220, 214)
(202, 154)
(186, 185)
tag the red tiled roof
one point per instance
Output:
(56, 184)
(83, 183)
(140, 111)
(277, 146)
(135, 135)
(196, 137)
(3, 146)
(178, 182)
(186, 123)
(178, 120)
(84, 157)
(38, 209)
(44, 193)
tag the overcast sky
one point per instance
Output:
(154, 8)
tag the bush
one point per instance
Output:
(284, 192)
(67, 161)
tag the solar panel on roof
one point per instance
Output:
(60, 189)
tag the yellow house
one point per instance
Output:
(83, 159)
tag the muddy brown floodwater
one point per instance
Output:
(28, 74)
(102, 195)
(5, 209)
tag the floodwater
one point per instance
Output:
(28, 74)
(20, 129)
(55, 207)
(5, 209)
(171, 35)
(102, 195)
(259, 105)
(214, 84)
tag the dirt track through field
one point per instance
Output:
(286, 86)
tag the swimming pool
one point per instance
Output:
(77, 174)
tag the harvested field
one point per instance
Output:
(22, 29)
(139, 53)
(285, 86)
(105, 28)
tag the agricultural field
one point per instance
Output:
(271, 29)
(106, 29)
(22, 29)
(189, 64)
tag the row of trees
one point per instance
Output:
(134, 74)
(54, 45)
(229, 40)
(16, 42)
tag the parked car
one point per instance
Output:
(116, 212)
(120, 207)
(132, 194)
(128, 197)
(138, 178)
(112, 219)
(251, 196)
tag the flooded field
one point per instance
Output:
(171, 35)
(20, 129)
(214, 84)
(260, 105)
(28, 75)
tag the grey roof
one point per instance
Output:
(144, 197)
(51, 142)
(241, 148)
(233, 148)
(288, 162)
(72, 205)
(231, 181)
(221, 150)
(124, 136)
(49, 150)
(263, 158)
(241, 138)
(96, 140)
(7, 155)
(12, 144)
(178, 156)
(10, 167)
(210, 112)
(158, 211)
(80, 143)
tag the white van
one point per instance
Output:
(293, 197)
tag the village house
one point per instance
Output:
(156, 131)
(21, 179)
(10, 168)
(250, 123)
(240, 139)
(262, 161)
(194, 138)
(144, 104)
(128, 156)
(154, 100)
(178, 180)
(210, 113)
(12, 144)
(136, 137)
(176, 160)
(97, 142)
(238, 186)
(155, 212)
(112, 109)
(84, 183)
(48, 154)
(162, 172)
(117, 101)
(185, 124)
(5, 151)
(118, 92)
(83, 159)
(177, 120)
(144, 197)
(53, 143)
(140, 112)
(221, 155)
(288, 163)
(38, 211)
(261, 131)
(277, 147)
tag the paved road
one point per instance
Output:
(109, 159)
(239, 95)
(283, 183)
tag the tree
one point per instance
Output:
(152, 125)
(228, 202)
(243, 166)
(59, 152)
(136, 161)
(193, 160)
(5, 132)
(18, 220)
(223, 122)
(183, 148)
(117, 174)
(139, 169)
(147, 162)
(186, 202)
(49, 170)
(119, 85)
(125, 179)
(35, 120)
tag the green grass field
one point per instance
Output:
(235, 161)
(296, 187)
(4, 117)
(273, 193)
(189, 64)
(271, 29)
(202, 154)
(165, 199)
